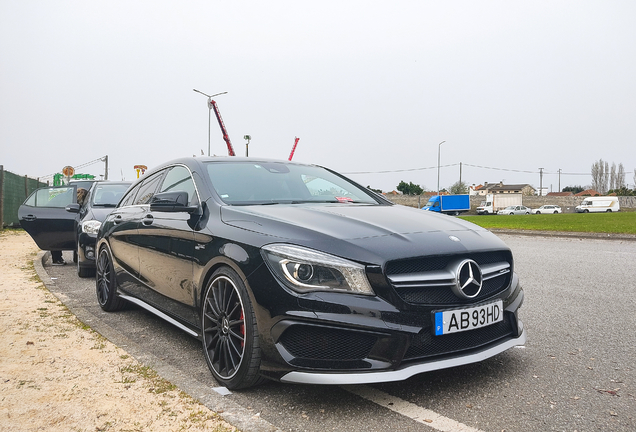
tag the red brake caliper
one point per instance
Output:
(243, 329)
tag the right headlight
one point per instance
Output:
(304, 270)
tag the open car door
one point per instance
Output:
(43, 215)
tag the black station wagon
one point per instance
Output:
(293, 272)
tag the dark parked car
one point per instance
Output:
(293, 272)
(56, 221)
(100, 200)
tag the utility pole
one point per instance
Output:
(540, 181)
(460, 174)
(105, 160)
(438, 159)
(560, 179)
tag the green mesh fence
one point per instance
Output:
(14, 189)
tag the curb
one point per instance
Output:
(230, 411)
(564, 234)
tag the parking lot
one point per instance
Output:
(575, 373)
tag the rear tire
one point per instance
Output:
(106, 283)
(230, 336)
(609, 210)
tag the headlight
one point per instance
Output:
(304, 270)
(91, 226)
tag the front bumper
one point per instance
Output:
(341, 339)
(86, 250)
(402, 373)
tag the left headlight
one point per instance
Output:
(91, 226)
(304, 270)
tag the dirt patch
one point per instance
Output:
(58, 375)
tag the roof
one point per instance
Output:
(503, 187)
(588, 192)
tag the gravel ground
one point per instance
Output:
(58, 375)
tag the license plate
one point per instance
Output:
(458, 320)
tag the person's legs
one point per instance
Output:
(56, 257)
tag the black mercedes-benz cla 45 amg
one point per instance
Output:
(292, 272)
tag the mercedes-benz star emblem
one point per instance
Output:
(468, 279)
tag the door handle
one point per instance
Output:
(118, 219)
(148, 220)
(29, 218)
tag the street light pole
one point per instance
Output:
(209, 114)
(247, 145)
(438, 159)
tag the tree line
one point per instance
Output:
(608, 179)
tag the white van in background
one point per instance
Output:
(599, 204)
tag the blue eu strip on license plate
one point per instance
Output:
(458, 320)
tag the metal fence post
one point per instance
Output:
(1, 197)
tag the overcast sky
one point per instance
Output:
(370, 87)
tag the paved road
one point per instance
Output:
(577, 371)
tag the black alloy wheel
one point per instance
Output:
(106, 284)
(230, 335)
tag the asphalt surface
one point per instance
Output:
(577, 371)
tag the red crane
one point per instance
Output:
(226, 138)
(291, 155)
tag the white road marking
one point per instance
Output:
(408, 409)
(223, 391)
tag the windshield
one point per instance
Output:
(108, 195)
(246, 183)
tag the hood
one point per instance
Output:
(373, 234)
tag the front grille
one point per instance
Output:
(428, 280)
(324, 343)
(425, 344)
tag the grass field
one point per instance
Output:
(623, 222)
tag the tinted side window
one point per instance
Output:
(129, 198)
(147, 189)
(179, 179)
(52, 197)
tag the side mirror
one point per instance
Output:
(72, 208)
(171, 202)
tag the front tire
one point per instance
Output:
(230, 335)
(106, 283)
